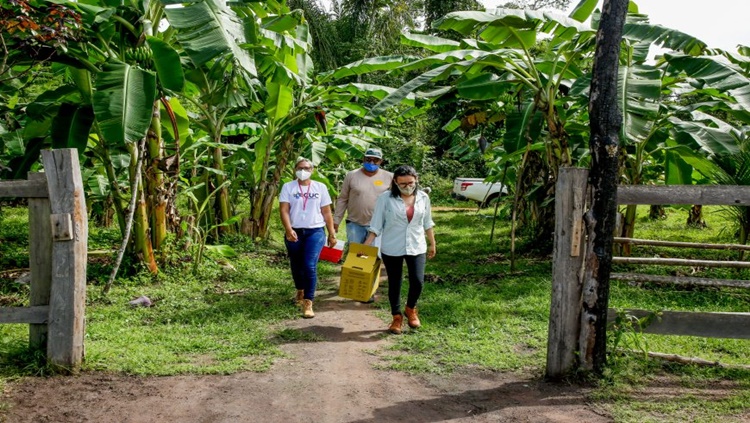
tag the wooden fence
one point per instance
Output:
(568, 266)
(58, 241)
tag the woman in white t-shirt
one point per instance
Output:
(305, 208)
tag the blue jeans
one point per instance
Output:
(303, 258)
(358, 234)
(394, 265)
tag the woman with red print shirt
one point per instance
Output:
(305, 207)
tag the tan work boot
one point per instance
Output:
(395, 327)
(411, 316)
(307, 311)
(299, 297)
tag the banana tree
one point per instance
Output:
(99, 95)
(222, 75)
(503, 76)
(298, 117)
(709, 124)
(128, 68)
(506, 74)
(106, 105)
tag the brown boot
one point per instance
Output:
(411, 316)
(307, 311)
(395, 327)
(299, 297)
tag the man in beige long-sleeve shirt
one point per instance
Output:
(358, 194)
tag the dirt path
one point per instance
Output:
(334, 380)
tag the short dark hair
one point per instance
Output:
(404, 170)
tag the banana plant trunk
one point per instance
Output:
(262, 198)
(156, 193)
(117, 197)
(628, 227)
(744, 229)
(656, 211)
(695, 217)
(222, 197)
(141, 239)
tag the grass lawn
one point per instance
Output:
(475, 312)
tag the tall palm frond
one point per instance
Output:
(323, 33)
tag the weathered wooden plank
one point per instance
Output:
(36, 314)
(68, 291)
(20, 188)
(565, 309)
(726, 195)
(697, 245)
(579, 201)
(680, 262)
(681, 280)
(40, 261)
(709, 325)
(62, 227)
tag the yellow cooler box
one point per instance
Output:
(360, 273)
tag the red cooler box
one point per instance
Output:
(332, 254)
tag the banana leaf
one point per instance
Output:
(71, 127)
(280, 100)
(168, 66)
(429, 42)
(123, 102)
(373, 64)
(208, 29)
(715, 72)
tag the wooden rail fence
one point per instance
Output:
(58, 241)
(568, 266)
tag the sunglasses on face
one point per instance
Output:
(372, 160)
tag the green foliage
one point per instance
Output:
(201, 234)
(14, 238)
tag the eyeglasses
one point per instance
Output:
(372, 160)
(407, 185)
(309, 169)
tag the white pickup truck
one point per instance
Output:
(476, 189)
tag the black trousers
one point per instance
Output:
(394, 266)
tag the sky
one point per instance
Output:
(718, 23)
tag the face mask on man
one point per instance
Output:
(409, 190)
(303, 175)
(371, 167)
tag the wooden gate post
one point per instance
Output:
(40, 260)
(69, 229)
(568, 255)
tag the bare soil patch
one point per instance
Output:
(334, 380)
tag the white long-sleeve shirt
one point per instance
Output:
(399, 237)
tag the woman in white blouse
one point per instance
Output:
(305, 208)
(402, 218)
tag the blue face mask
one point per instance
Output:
(371, 167)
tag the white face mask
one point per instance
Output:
(407, 190)
(303, 175)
